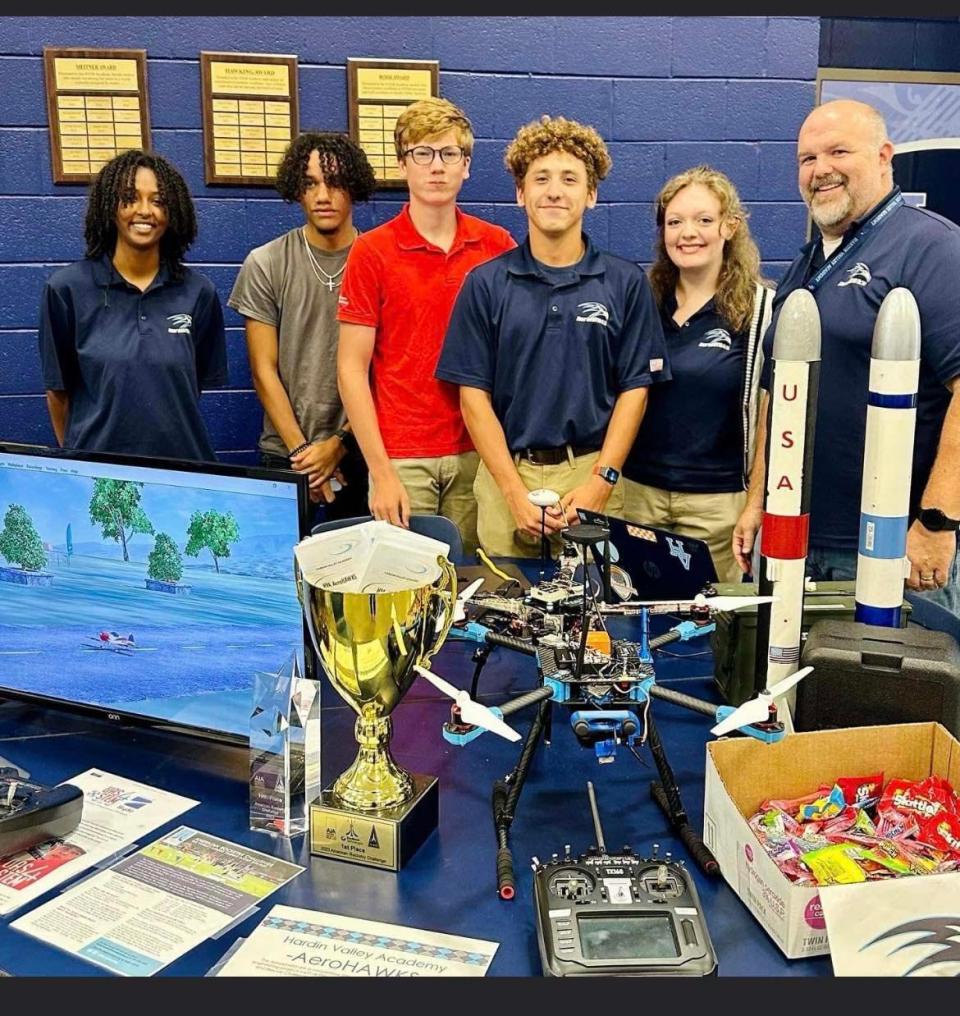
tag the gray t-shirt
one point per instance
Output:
(278, 286)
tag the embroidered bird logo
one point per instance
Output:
(859, 275)
(179, 324)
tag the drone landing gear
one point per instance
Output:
(666, 792)
(506, 794)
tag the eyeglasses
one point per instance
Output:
(423, 155)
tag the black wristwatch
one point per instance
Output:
(936, 521)
(341, 432)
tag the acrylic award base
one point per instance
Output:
(386, 839)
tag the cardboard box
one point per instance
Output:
(741, 773)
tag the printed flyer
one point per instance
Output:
(294, 942)
(152, 907)
(116, 812)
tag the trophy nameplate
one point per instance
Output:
(382, 839)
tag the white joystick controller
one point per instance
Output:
(543, 497)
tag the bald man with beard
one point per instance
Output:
(845, 176)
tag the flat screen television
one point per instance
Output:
(147, 590)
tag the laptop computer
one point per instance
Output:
(661, 564)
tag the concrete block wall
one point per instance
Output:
(665, 92)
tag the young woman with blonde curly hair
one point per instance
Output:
(689, 466)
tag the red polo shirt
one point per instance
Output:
(405, 287)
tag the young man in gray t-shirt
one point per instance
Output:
(287, 290)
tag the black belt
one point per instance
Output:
(553, 456)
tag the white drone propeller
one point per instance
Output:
(758, 709)
(460, 606)
(713, 602)
(474, 713)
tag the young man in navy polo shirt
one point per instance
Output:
(846, 177)
(553, 345)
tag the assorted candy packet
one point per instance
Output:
(862, 829)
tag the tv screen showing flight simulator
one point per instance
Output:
(151, 593)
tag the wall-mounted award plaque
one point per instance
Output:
(378, 91)
(96, 107)
(250, 115)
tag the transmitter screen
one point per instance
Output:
(632, 936)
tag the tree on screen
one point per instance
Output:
(115, 507)
(164, 563)
(213, 530)
(19, 542)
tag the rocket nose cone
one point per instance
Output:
(798, 328)
(896, 334)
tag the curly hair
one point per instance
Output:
(343, 163)
(558, 134)
(429, 118)
(115, 184)
(740, 271)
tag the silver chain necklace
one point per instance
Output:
(324, 278)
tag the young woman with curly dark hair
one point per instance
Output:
(129, 335)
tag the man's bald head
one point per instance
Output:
(844, 113)
(845, 163)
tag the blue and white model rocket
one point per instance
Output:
(882, 562)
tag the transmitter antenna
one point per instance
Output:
(597, 828)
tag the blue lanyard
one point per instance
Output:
(877, 220)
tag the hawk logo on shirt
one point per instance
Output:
(593, 313)
(716, 338)
(179, 324)
(677, 551)
(859, 275)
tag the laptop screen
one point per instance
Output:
(662, 565)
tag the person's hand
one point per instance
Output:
(322, 492)
(931, 555)
(319, 460)
(530, 518)
(592, 495)
(318, 483)
(390, 501)
(745, 535)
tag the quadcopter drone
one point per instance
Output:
(606, 683)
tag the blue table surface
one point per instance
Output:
(450, 883)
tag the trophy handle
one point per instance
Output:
(446, 592)
(303, 595)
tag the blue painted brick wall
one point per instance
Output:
(665, 92)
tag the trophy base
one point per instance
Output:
(380, 839)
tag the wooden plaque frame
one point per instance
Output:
(373, 107)
(86, 116)
(270, 117)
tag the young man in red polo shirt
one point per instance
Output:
(398, 291)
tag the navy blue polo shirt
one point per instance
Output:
(915, 248)
(132, 362)
(554, 347)
(691, 438)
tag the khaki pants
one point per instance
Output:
(496, 529)
(442, 486)
(708, 517)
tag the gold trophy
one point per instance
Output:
(376, 813)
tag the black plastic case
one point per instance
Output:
(868, 675)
